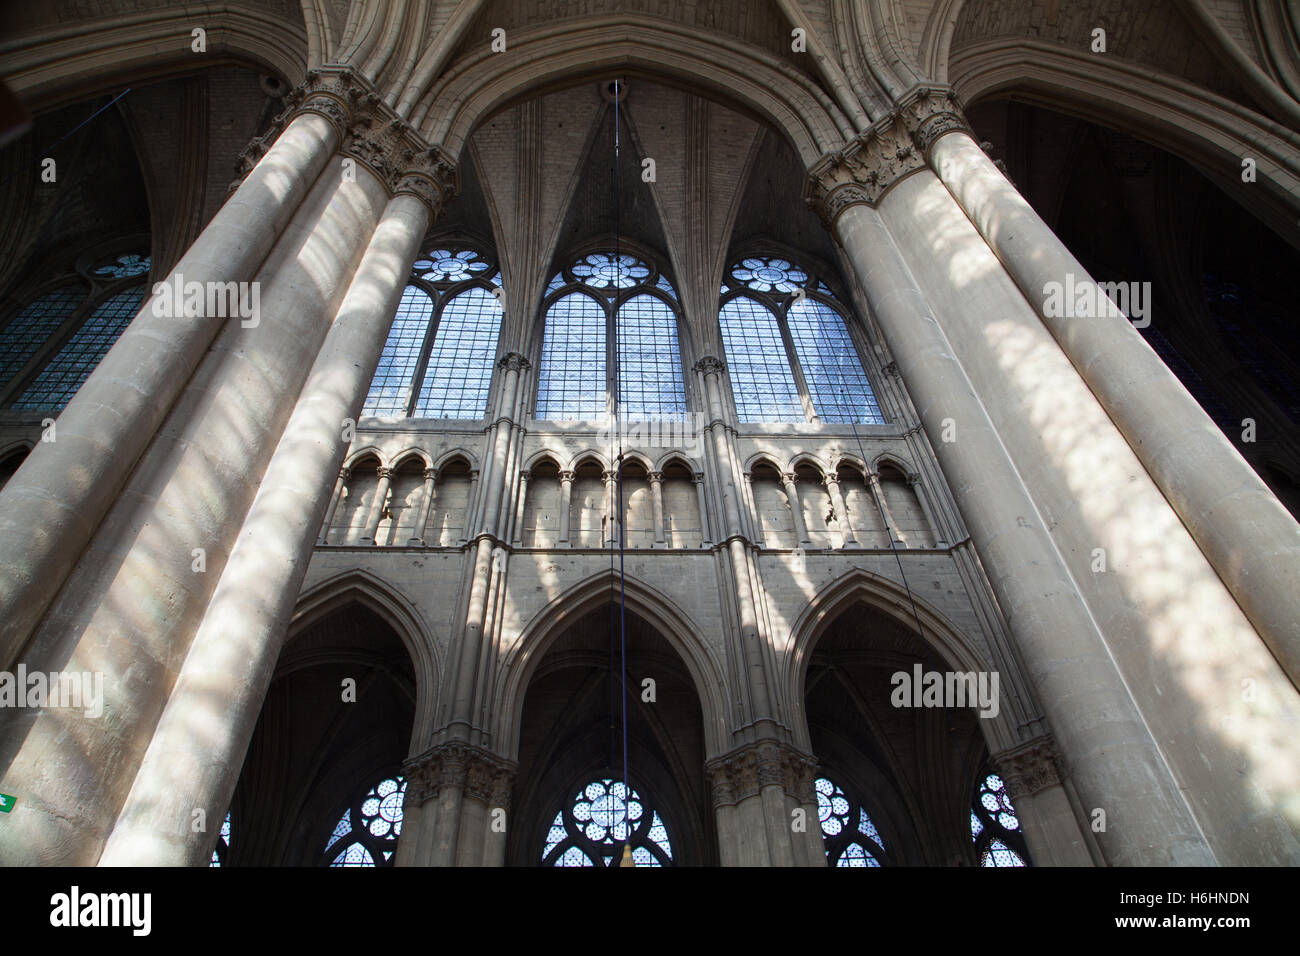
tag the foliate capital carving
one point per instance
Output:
(1029, 767)
(875, 160)
(789, 478)
(370, 132)
(479, 772)
(655, 477)
(385, 472)
(514, 362)
(566, 476)
(744, 773)
(430, 474)
(710, 365)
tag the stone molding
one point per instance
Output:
(1029, 767)
(744, 773)
(477, 771)
(891, 150)
(369, 132)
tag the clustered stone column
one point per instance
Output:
(900, 228)
(766, 806)
(457, 807)
(1031, 772)
(251, 497)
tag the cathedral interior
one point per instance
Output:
(499, 432)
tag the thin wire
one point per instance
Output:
(618, 403)
(50, 148)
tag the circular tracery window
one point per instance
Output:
(123, 267)
(994, 826)
(766, 275)
(851, 838)
(593, 828)
(444, 265)
(600, 270)
(367, 833)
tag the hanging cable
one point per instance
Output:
(616, 455)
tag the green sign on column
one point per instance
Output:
(7, 802)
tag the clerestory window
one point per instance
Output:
(606, 313)
(789, 353)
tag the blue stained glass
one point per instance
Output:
(459, 374)
(54, 387)
(29, 330)
(761, 378)
(831, 368)
(391, 387)
(649, 361)
(571, 380)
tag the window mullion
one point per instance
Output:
(805, 395)
(426, 349)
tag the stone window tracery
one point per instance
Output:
(590, 305)
(367, 833)
(49, 347)
(789, 352)
(851, 838)
(592, 828)
(994, 826)
(223, 844)
(438, 359)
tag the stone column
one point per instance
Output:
(657, 498)
(755, 789)
(339, 487)
(877, 492)
(789, 481)
(376, 512)
(464, 801)
(698, 478)
(1116, 763)
(923, 499)
(566, 500)
(613, 519)
(426, 506)
(139, 591)
(832, 483)
(54, 503)
(198, 747)
(1215, 492)
(517, 530)
(1054, 834)
(471, 507)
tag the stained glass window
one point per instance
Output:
(59, 380)
(571, 380)
(31, 328)
(367, 833)
(123, 267)
(649, 361)
(600, 300)
(836, 382)
(439, 356)
(788, 348)
(761, 379)
(593, 827)
(223, 844)
(995, 828)
(850, 837)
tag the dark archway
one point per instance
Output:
(317, 748)
(911, 769)
(571, 735)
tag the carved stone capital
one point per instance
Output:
(896, 146)
(385, 472)
(370, 132)
(789, 478)
(430, 474)
(1029, 767)
(744, 773)
(710, 364)
(513, 362)
(655, 477)
(479, 772)
(566, 476)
